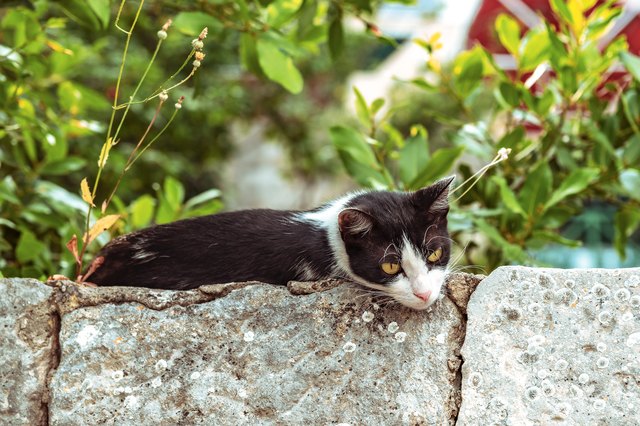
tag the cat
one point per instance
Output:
(395, 243)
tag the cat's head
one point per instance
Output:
(398, 243)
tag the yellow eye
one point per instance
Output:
(390, 268)
(435, 256)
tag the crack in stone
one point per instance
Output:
(459, 289)
(457, 383)
(55, 355)
(68, 296)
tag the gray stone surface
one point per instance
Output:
(547, 347)
(27, 341)
(259, 355)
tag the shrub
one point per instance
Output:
(572, 126)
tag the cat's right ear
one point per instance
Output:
(435, 198)
(352, 221)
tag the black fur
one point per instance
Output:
(393, 216)
(251, 245)
(278, 246)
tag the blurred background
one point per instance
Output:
(299, 101)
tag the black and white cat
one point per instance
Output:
(393, 242)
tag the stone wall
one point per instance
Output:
(532, 346)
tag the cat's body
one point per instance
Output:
(396, 243)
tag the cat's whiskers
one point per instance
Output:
(453, 267)
(424, 237)
(386, 250)
(440, 237)
(467, 268)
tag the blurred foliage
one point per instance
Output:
(571, 122)
(59, 62)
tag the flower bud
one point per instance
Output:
(199, 56)
(196, 64)
(162, 34)
(178, 105)
(503, 153)
(197, 44)
(163, 96)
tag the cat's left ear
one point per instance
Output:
(353, 221)
(434, 199)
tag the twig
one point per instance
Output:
(131, 156)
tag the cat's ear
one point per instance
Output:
(434, 199)
(352, 221)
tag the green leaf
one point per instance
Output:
(534, 49)
(468, 69)
(62, 200)
(512, 139)
(69, 97)
(510, 94)
(306, 17)
(441, 162)
(336, 37)
(282, 11)
(536, 189)
(631, 63)
(202, 198)
(29, 247)
(508, 31)
(508, 197)
(8, 224)
(8, 191)
(349, 140)
(173, 192)
(631, 106)
(631, 152)
(413, 157)
(626, 222)
(555, 237)
(278, 66)
(561, 9)
(630, 180)
(362, 109)
(376, 105)
(423, 84)
(357, 156)
(603, 151)
(142, 211)
(210, 207)
(249, 54)
(576, 182)
(165, 212)
(81, 12)
(102, 9)
(192, 23)
(63, 167)
(511, 252)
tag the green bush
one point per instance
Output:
(573, 134)
(59, 63)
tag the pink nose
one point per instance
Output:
(424, 295)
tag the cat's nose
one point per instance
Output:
(423, 295)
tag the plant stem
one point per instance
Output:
(478, 175)
(108, 140)
(135, 91)
(131, 156)
(161, 88)
(152, 140)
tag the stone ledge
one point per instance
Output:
(252, 353)
(551, 346)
